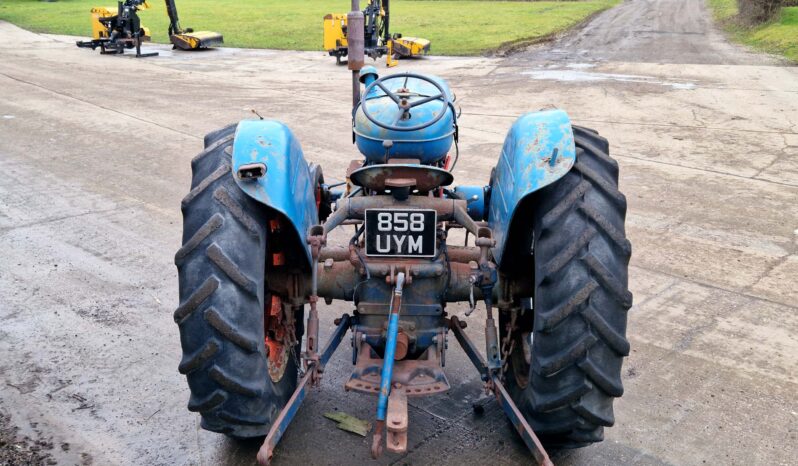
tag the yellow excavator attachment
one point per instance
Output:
(98, 29)
(335, 43)
(334, 32)
(114, 29)
(410, 46)
(189, 39)
(390, 61)
(196, 40)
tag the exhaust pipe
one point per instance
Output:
(356, 43)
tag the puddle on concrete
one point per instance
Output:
(576, 73)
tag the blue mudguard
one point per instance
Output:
(286, 186)
(538, 150)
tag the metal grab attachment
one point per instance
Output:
(282, 422)
(387, 375)
(493, 381)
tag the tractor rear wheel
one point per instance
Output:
(564, 369)
(234, 385)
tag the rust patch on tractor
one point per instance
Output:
(276, 344)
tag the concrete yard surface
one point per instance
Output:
(95, 157)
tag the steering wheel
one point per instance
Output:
(404, 103)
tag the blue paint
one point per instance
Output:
(287, 186)
(368, 74)
(429, 145)
(387, 367)
(538, 150)
(386, 376)
(475, 200)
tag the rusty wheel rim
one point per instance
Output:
(277, 360)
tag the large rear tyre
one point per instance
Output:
(221, 268)
(564, 370)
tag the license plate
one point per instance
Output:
(400, 232)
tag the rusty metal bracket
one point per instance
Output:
(396, 420)
(419, 377)
(290, 409)
(494, 382)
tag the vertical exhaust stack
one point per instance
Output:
(356, 42)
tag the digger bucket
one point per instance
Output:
(196, 40)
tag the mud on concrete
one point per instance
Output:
(22, 450)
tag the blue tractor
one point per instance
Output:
(545, 252)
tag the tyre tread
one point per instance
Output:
(581, 276)
(229, 331)
(192, 362)
(221, 268)
(233, 271)
(223, 197)
(196, 298)
(213, 224)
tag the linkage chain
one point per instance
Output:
(290, 338)
(508, 343)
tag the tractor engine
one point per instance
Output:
(405, 132)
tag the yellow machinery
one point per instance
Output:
(98, 29)
(189, 39)
(335, 35)
(378, 39)
(410, 46)
(117, 29)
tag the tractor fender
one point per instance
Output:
(284, 183)
(538, 150)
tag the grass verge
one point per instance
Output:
(455, 27)
(779, 36)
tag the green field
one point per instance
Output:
(779, 36)
(455, 27)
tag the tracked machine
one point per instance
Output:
(543, 267)
(377, 38)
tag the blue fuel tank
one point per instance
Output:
(429, 145)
